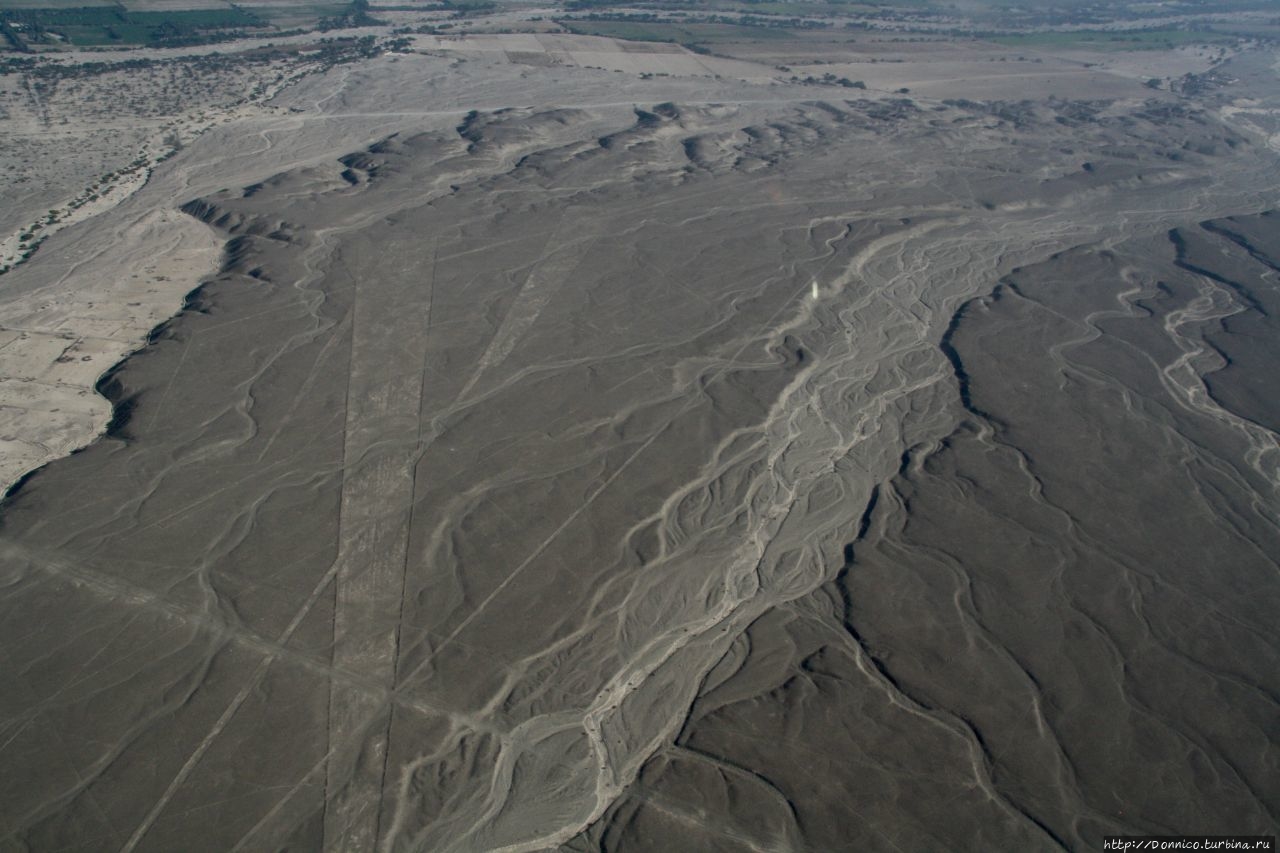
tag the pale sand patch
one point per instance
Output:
(59, 339)
(84, 194)
(1251, 115)
(12, 248)
(1145, 64)
(981, 79)
(602, 53)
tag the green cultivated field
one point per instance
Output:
(287, 16)
(7, 5)
(105, 25)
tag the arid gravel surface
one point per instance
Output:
(697, 465)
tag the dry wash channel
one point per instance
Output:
(502, 490)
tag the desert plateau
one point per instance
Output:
(669, 426)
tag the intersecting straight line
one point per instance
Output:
(236, 702)
(573, 516)
(408, 531)
(195, 757)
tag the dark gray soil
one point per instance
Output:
(858, 475)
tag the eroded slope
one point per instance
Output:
(491, 453)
